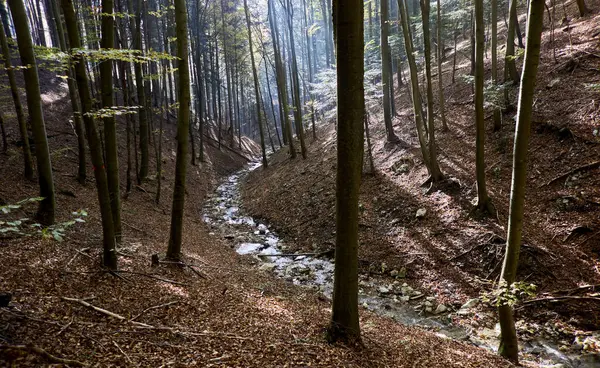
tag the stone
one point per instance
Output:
(262, 229)
(269, 267)
(470, 303)
(394, 273)
(441, 308)
(405, 298)
(421, 212)
(383, 290)
(428, 309)
(430, 298)
(428, 304)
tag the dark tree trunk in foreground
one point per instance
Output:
(440, 53)
(183, 119)
(508, 342)
(47, 206)
(510, 67)
(108, 231)
(349, 36)
(14, 90)
(256, 87)
(110, 129)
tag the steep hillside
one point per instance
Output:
(451, 252)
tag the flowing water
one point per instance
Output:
(396, 300)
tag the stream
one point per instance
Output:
(222, 212)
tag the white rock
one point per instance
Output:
(428, 309)
(383, 290)
(441, 308)
(421, 212)
(269, 267)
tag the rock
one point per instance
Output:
(269, 267)
(553, 82)
(428, 304)
(262, 229)
(421, 212)
(405, 298)
(394, 273)
(428, 309)
(383, 290)
(441, 308)
(430, 298)
(470, 303)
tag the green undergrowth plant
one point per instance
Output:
(16, 227)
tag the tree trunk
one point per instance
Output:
(141, 94)
(385, 72)
(508, 342)
(47, 207)
(494, 44)
(256, 87)
(183, 120)
(281, 79)
(110, 128)
(583, 10)
(484, 203)
(108, 231)
(510, 66)
(434, 168)
(414, 80)
(348, 21)
(440, 52)
(14, 90)
(296, 85)
(4, 19)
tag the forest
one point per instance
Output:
(278, 183)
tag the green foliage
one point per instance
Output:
(23, 227)
(114, 111)
(509, 295)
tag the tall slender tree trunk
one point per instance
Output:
(256, 87)
(4, 19)
(484, 202)
(14, 90)
(47, 207)
(349, 36)
(136, 30)
(108, 231)
(434, 168)
(296, 84)
(510, 66)
(440, 54)
(110, 128)
(494, 44)
(508, 341)
(385, 73)
(183, 119)
(414, 80)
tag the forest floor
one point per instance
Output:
(225, 313)
(452, 252)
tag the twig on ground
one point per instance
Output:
(151, 308)
(580, 288)
(122, 352)
(153, 277)
(65, 327)
(43, 353)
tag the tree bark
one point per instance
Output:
(47, 207)
(110, 129)
(183, 120)
(440, 53)
(385, 72)
(484, 202)
(256, 87)
(108, 232)
(348, 21)
(14, 90)
(508, 342)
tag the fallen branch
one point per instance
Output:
(104, 311)
(589, 166)
(319, 254)
(558, 299)
(155, 260)
(580, 288)
(133, 227)
(151, 308)
(43, 353)
(587, 239)
(122, 352)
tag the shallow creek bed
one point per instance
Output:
(396, 300)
